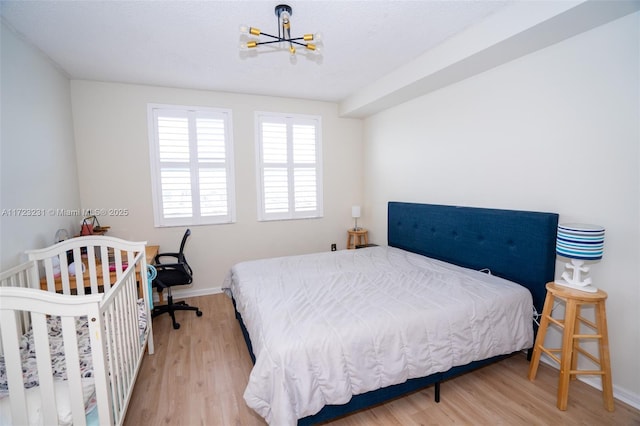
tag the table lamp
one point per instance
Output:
(355, 213)
(579, 242)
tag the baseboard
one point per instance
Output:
(186, 294)
(618, 393)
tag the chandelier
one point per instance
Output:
(283, 12)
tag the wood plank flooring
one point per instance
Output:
(198, 374)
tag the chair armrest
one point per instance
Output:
(180, 263)
(165, 266)
(159, 255)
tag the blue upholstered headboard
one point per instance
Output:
(515, 245)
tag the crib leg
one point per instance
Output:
(437, 392)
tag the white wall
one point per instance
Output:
(557, 130)
(113, 164)
(37, 151)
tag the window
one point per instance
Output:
(289, 162)
(191, 165)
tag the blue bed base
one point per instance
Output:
(515, 245)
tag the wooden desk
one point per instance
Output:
(150, 253)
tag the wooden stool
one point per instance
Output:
(357, 237)
(568, 359)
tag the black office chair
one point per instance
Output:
(172, 274)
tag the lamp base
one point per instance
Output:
(586, 288)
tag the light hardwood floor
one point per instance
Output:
(198, 374)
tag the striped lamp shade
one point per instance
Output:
(580, 241)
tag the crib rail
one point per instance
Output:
(84, 265)
(24, 275)
(105, 260)
(110, 306)
(38, 304)
(123, 342)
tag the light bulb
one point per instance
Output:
(315, 49)
(292, 50)
(248, 45)
(247, 30)
(317, 37)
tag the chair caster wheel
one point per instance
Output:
(199, 313)
(176, 326)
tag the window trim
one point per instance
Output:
(193, 165)
(291, 214)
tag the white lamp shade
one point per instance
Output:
(355, 211)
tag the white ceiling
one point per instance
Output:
(194, 44)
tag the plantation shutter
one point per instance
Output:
(192, 166)
(288, 166)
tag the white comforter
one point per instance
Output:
(331, 325)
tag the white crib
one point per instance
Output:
(104, 294)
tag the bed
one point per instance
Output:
(75, 324)
(330, 333)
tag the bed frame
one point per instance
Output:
(515, 245)
(110, 306)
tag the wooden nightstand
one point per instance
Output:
(356, 237)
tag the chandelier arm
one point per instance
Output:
(283, 39)
(272, 36)
(280, 38)
(269, 42)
